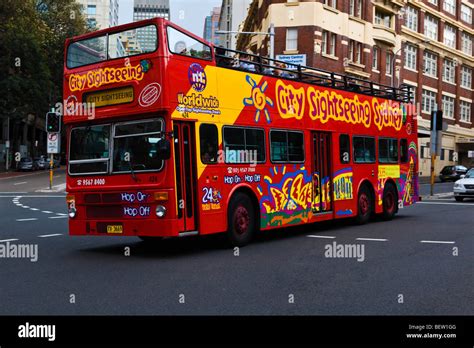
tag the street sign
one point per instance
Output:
(298, 59)
(54, 141)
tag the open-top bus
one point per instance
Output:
(189, 139)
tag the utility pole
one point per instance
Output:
(436, 127)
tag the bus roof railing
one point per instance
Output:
(239, 60)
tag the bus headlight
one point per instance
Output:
(160, 211)
(72, 213)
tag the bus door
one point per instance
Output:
(186, 183)
(322, 180)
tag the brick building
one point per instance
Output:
(426, 44)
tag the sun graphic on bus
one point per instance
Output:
(259, 99)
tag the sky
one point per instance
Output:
(188, 14)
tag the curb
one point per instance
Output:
(438, 196)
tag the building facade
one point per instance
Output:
(425, 44)
(145, 9)
(233, 13)
(100, 14)
(211, 25)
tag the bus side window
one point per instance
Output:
(344, 148)
(208, 143)
(364, 149)
(403, 151)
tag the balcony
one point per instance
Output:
(384, 34)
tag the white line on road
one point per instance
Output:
(324, 237)
(373, 239)
(9, 193)
(20, 183)
(25, 206)
(34, 209)
(437, 241)
(46, 211)
(28, 219)
(453, 203)
(8, 240)
(61, 214)
(57, 217)
(50, 235)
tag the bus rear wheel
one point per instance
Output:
(389, 202)
(364, 205)
(240, 220)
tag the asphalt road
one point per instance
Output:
(411, 256)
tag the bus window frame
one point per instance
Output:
(245, 144)
(112, 137)
(107, 45)
(107, 160)
(287, 131)
(378, 150)
(375, 148)
(211, 58)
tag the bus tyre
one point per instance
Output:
(364, 205)
(389, 202)
(240, 220)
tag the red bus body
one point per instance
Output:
(186, 92)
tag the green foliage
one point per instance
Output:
(32, 35)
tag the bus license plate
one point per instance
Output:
(114, 229)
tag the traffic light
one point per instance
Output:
(53, 122)
(439, 119)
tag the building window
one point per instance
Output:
(332, 47)
(428, 101)
(450, 6)
(441, 157)
(466, 77)
(355, 8)
(286, 146)
(388, 63)
(431, 27)
(411, 20)
(291, 39)
(451, 155)
(449, 71)
(91, 10)
(434, 2)
(383, 18)
(412, 94)
(324, 43)
(388, 150)
(466, 14)
(364, 149)
(466, 43)
(448, 106)
(344, 148)
(375, 58)
(465, 111)
(350, 53)
(430, 62)
(450, 36)
(410, 57)
(329, 47)
(331, 3)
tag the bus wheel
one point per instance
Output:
(389, 202)
(240, 220)
(364, 205)
(459, 199)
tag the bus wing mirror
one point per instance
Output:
(164, 149)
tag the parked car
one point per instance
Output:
(452, 173)
(41, 162)
(27, 163)
(464, 187)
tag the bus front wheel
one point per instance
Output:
(364, 205)
(240, 220)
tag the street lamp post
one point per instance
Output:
(270, 33)
(393, 67)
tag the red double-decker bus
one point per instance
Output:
(188, 139)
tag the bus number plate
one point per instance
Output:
(114, 229)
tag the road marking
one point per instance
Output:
(57, 217)
(25, 206)
(437, 241)
(46, 211)
(34, 209)
(373, 239)
(8, 193)
(50, 235)
(324, 237)
(20, 183)
(8, 240)
(61, 214)
(453, 203)
(29, 219)
(20, 176)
